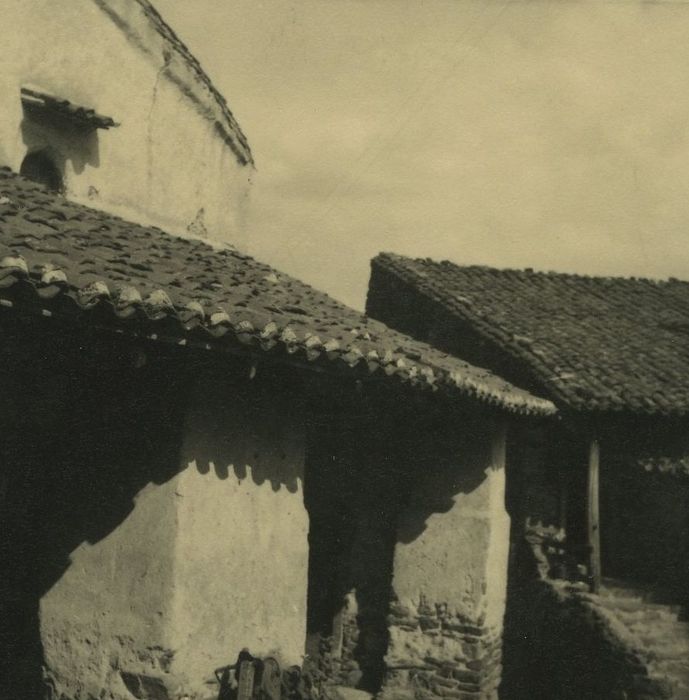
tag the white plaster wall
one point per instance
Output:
(241, 553)
(460, 557)
(499, 537)
(207, 563)
(110, 609)
(166, 164)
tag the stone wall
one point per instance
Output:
(560, 644)
(437, 652)
(167, 163)
(563, 642)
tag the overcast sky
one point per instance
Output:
(549, 134)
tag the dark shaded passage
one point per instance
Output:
(376, 471)
(351, 498)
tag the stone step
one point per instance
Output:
(665, 651)
(674, 610)
(667, 622)
(659, 646)
(649, 617)
(657, 620)
(620, 593)
(609, 584)
(660, 630)
(624, 603)
(622, 589)
(659, 633)
(680, 693)
(657, 642)
(677, 666)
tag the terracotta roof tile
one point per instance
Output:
(72, 259)
(595, 343)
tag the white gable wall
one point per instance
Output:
(166, 164)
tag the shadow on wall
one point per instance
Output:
(372, 482)
(84, 430)
(61, 140)
(451, 465)
(246, 429)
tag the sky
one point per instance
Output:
(550, 134)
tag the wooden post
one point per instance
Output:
(338, 633)
(563, 496)
(593, 516)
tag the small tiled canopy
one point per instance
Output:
(73, 260)
(36, 100)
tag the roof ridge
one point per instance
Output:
(383, 255)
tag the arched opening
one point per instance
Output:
(39, 167)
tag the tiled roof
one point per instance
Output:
(593, 343)
(65, 258)
(178, 45)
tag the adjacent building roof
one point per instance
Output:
(63, 259)
(593, 343)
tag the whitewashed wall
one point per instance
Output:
(166, 164)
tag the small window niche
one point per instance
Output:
(41, 168)
(56, 131)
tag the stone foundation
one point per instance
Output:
(450, 577)
(438, 652)
(337, 655)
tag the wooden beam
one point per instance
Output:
(593, 515)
